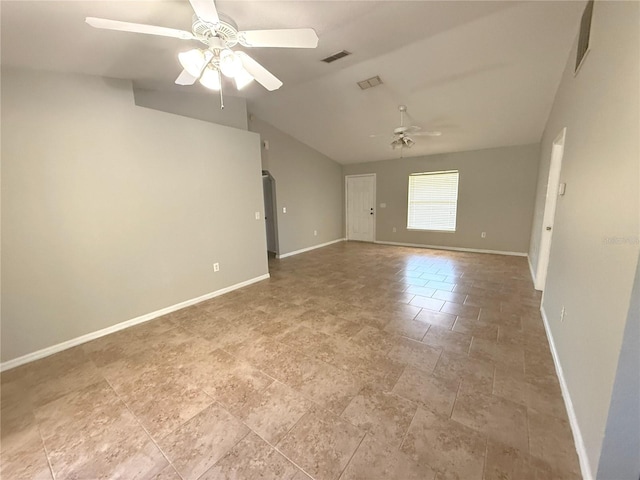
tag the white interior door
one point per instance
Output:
(360, 204)
(548, 218)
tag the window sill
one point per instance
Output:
(428, 230)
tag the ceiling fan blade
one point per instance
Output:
(263, 76)
(427, 134)
(205, 10)
(138, 28)
(185, 78)
(380, 135)
(285, 38)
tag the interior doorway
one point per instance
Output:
(360, 193)
(553, 185)
(270, 209)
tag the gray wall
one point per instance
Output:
(308, 184)
(495, 195)
(620, 457)
(595, 241)
(201, 106)
(111, 211)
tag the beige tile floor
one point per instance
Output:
(354, 361)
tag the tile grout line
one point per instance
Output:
(404, 437)
(528, 433)
(234, 445)
(352, 455)
(493, 381)
(277, 449)
(484, 458)
(453, 407)
(46, 453)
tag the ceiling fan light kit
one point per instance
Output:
(211, 79)
(194, 61)
(401, 138)
(402, 142)
(206, 66)
(220, 34)
(242, 79)
(230, 63)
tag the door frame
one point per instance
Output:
(550, 206)
(274, 208)
(346, 203)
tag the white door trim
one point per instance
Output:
(548, 217)
(346, 204)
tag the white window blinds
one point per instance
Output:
(433, 201)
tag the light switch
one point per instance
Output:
(257, 215)
(284, 209)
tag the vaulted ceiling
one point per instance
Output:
(483, 73)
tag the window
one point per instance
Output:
(433, 201)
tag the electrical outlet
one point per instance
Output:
(315, 233)
(257, 215)
(216, 267)
(563, 313)
(483, 234)
(394, 230)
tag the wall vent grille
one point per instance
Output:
(336, 56)
(583, 39)
(370, 82)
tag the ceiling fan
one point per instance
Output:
(401, 138)
(220, 34)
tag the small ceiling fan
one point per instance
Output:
(220, 34)
(401, 138)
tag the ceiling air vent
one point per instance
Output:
(583, 38)
(336, 56)
(370, 82)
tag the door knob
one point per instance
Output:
(548, 229)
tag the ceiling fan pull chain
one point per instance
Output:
(221, 99)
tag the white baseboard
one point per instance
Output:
(585, 468)
(296, 252)
(457, 249)
(45, 352)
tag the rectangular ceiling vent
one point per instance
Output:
(336, 56)
(370, 82)
(583, 38)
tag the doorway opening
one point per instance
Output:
(360, 193)
(270, 217)
(553, 185)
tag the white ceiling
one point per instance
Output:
(484, 73)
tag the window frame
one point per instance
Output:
(457, 196)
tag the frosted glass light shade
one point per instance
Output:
(230, 63)
(193, 61)
(243, 78)
(210, 78)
